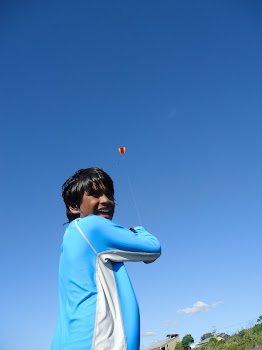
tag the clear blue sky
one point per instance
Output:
(179, 84)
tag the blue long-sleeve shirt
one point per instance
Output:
(97, 305)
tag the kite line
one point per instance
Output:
(122, 151)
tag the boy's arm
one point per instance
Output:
(146, 262)
(111, 241)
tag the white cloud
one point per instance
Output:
(149, 334)
(198, 307)
(217, 303)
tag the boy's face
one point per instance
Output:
(98, 202)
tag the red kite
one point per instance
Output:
(122, 150)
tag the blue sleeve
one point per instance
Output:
(113, 242)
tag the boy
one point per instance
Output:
(97, 305)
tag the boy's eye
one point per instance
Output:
(93, 194)
(98, 194)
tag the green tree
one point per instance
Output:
(259, 320)
(257, 328)
(179, 346)
(188, 339)
(212, 341)
(242, 333)
(207, 335)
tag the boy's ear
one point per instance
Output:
(74, 210)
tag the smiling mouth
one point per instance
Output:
(105, 213)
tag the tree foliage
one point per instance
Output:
(257, 328)
(207, 335)
(246, 339)
(213, 341)
(259, 320)
(179, 346)
(187, 339)
(242, 333)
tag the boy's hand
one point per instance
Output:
(149, 262)
(131, 228)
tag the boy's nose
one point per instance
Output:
(104, 199)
